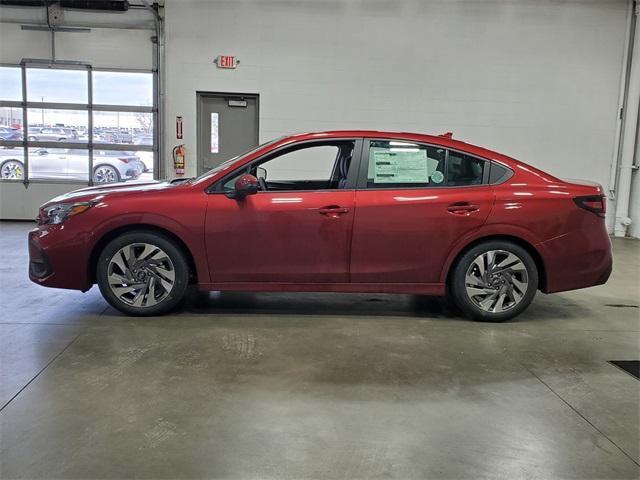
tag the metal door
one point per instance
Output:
(227, 126)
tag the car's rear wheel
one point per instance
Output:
(143, 273)
(12, 170)
(105, 174)
(494, 281)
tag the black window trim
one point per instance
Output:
(362, 183)
(216, 187)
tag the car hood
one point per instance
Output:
(103, 191)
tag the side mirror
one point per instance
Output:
(247, 184)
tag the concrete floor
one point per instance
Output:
(316, 385)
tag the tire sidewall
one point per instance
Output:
(458, 289)
(170, 248)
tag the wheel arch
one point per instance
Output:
(531, 250)
(139, 227)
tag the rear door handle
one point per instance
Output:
(333, 210)
(462, 208)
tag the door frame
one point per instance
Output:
(199, 127)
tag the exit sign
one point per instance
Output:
(226, 61)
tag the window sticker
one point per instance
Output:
(400, 166)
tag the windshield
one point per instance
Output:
(226, 164)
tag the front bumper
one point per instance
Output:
(58, 257)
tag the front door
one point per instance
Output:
(296, 229)
(413, 203)
(227, 126)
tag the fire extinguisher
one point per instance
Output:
(179, 154)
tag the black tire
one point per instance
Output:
(173, 298)
(458, 282)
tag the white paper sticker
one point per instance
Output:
(401, 166)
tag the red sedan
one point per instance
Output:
(342, 211)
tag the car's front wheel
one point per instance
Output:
(494, 281)
(143, 273)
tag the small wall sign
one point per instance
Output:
(226, 61)
(179, 128)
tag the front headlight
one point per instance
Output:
(59, 212)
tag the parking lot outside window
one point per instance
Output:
(75, 124)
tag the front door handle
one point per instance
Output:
(333, 210)
(462, 208)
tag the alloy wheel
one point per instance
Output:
(141, 275)
(105, 174)
(496, 281)
(12, 169)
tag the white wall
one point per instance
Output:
(102, 47)
(535, 79)
(634, 203)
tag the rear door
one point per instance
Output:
(413, 202)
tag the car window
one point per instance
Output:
(464, 170)
(398, 164)
(311, 167)
(498, 173)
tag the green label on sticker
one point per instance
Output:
(437, 177)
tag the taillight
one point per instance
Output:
(124, 159)
(594, 203)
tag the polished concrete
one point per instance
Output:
(316, 385)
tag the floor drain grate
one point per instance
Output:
(632, 367)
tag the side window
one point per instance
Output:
(464, 170)
(498, 173)
(312, 167)
(306, 164)
(396, 164)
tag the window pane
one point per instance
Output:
(9, 130)
(10, 84)
(12, 163)
(63, 86)
(123, 88)
(58, 164)
(315, 167)
(315, 163)
(57, 125)
(464, 170)
(116, 166)
(123, 128)
(215, 146)
(396, 164)
(498, 173)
